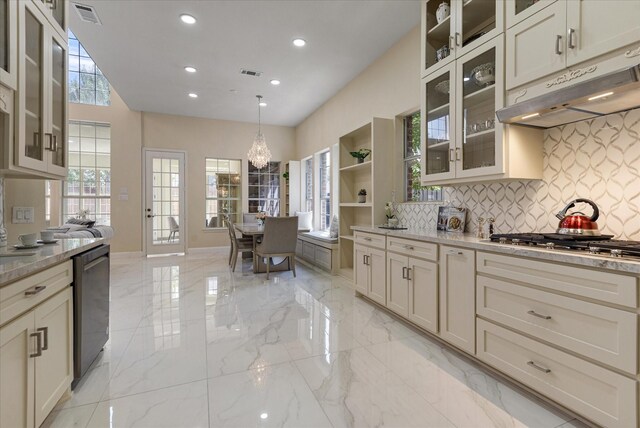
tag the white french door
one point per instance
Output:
(164, 215)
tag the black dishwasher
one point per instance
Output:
(91, 278)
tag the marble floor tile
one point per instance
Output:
(182, 406)
(193, 344)
(275, 396)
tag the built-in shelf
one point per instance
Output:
(32, 115)
(356, 167)
(482, 94)
(439, 146)
(480, 134)
(441, 30)
(30, 61)
(356, 204)
(441, 110)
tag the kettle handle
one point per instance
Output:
(594, 216)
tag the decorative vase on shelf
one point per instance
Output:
(443, 12)
(392, 222)
(362, 199)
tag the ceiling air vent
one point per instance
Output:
(87, 13)
(250, 73)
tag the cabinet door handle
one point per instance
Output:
(408, 247)
(49, 138)
(45, 331)
(364, 259)
(451, 159)
(35, 290)
(408, 274)
(55, 143)
(535, 314)
(537, 367)
(366, 238)
(451, 43)
(458, 157)
(458, 39)
(404, 272)
(36, 139)
(38, 337)
(558, 40)
(572, 43)
(368, 261)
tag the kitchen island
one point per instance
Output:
(562, 324)
(36, 329)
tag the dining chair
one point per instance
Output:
(279, 240)
(238, 245)
(173, 228)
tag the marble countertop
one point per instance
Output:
(16, 267)
(468, 240)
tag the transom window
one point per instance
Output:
(264, 189)
(87, 84)
(223, 191)
(87, 189)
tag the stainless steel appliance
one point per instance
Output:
(90, 307)
(602, 245)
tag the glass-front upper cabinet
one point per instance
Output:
(479, 139)
(519, 10)
(56, 13)
(451, 28)
(437, 127)
(8, 43)
(58, 105)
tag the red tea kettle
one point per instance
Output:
(577, 223)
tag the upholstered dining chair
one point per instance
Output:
(280, 239)
(238, 245)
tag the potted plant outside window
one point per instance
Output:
(362, 196)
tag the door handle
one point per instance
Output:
(49, 137)
(458, 38)
(38, 352)
(571, 41)
(537, 367)
(35, 290)
(408, 274)
(367, 238)
(150, 216)
(404, 274)
(558, 40)
(55, 143)
(368, 260)
(535, 314)
(45, 331)
(408, 247)
(451, 159)
(458, 157)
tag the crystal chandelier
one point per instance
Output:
(259, 155)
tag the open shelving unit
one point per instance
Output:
(373, 175)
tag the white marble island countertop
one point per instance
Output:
(16, 267)
(467, 240)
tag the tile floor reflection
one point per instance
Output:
(194, 345)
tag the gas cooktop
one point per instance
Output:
(595, 245)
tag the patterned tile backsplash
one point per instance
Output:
(598, 159)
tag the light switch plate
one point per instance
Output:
(23, 215)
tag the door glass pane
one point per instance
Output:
(4, 35)
(478, 145)
(58, 91)
(438, 32)
(33, 87)
(522, 5)
(57, 10)
(478, 18)
(438, 123)
(166, 202)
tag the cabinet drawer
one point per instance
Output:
(595, 284)
(604, 334)
(308, 251)
(323, 257)
(14, 301)
(370, 239)
(603, 396)
(411, 248)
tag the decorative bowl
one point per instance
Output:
(484, 75)
(442, 87)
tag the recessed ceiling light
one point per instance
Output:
(190, 69)
(299, 42)
(187, 19)
(275, 82)
(262, 104)
(193, 95)
(264, 416)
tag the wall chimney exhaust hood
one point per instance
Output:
(610, 93)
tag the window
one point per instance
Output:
(414, 191)
(308, 184)
(222, 194)
(87, 84)
(325, 190)
(264, 189)
(87, 190)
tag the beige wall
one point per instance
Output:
(23, 193)
(202, 138)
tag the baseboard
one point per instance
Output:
(126, 255)
(205, 250)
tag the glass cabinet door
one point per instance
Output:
(480, 20)
(58, 103)
(438, 33)
(4, 35)
(437, 127)
(33, 86)
(479, 141)
(519, 10)
(58, 12)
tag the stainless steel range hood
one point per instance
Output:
(611, 93)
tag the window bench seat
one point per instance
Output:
(317, 249)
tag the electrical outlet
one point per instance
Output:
(23, 215)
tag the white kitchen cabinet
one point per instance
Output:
(370, 278)
(518, 10)
(565, 33)
(469, 24)
(398, 284)
(8, 43)
(423, 294)
(41, 98)
(457, 297)
(57, 13)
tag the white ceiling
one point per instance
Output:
(142, 48)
